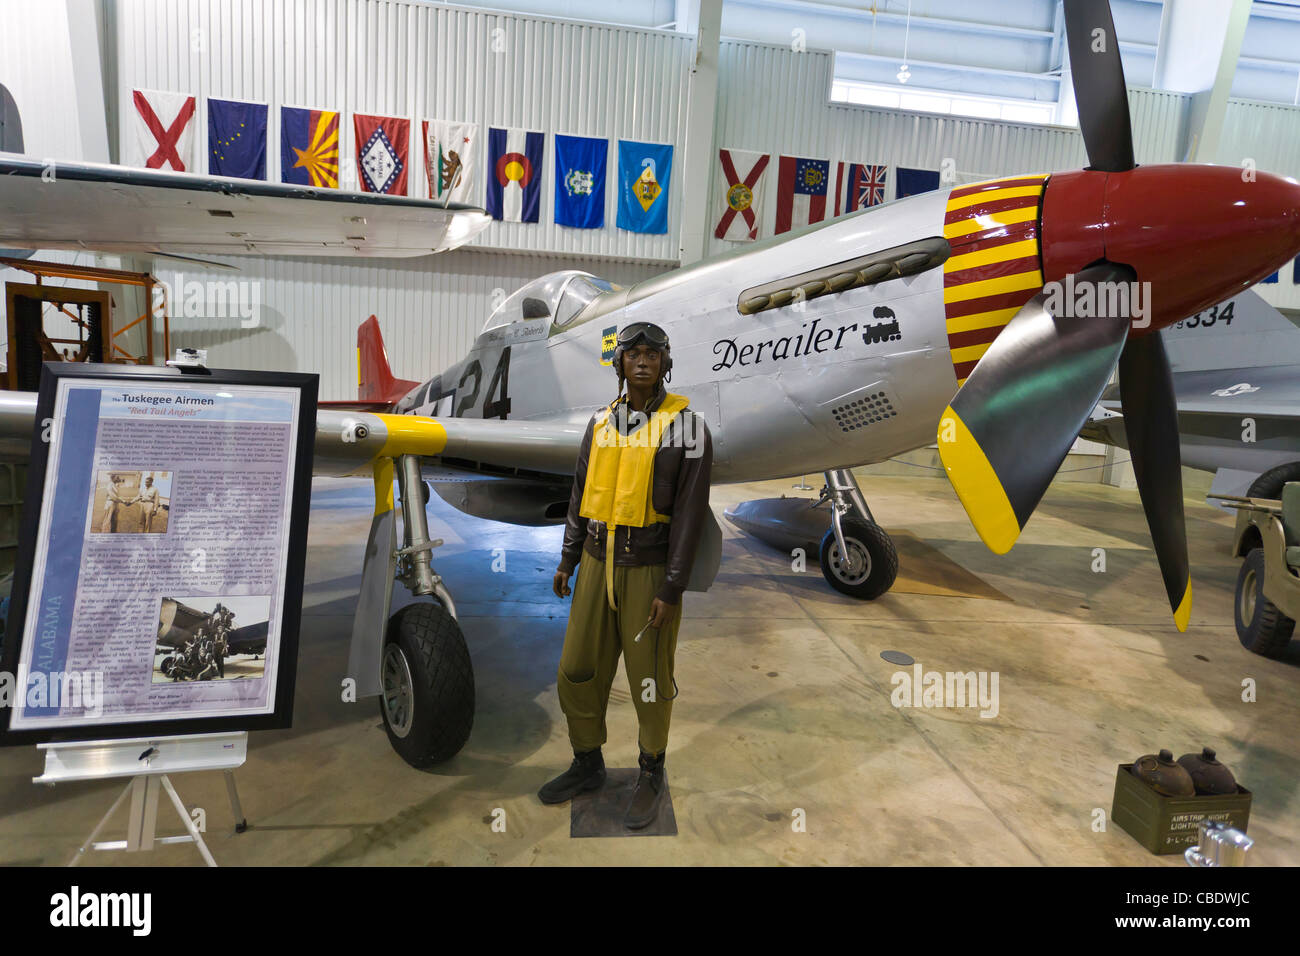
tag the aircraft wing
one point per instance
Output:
(117, 209)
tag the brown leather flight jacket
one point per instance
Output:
(680, 483)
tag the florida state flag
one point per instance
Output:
(382, 153)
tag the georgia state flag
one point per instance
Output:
(514, 174)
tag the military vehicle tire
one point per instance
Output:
(427, 685)
(1261, 627)
(1269, 484)
(876, 561)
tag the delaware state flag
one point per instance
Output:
(514, 174)
(644, 172)
(309, 147)
(801, 188)
(382, 153)
(580, 181)
(237, 139)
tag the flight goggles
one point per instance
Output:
(632, 335)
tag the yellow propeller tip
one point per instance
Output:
(977, 484)
(1183, 613)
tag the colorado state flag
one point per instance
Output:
(514, 174)
(237, 139)
(644, 172)
(580, 181)
(309, 147)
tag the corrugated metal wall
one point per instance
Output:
(429, 309)
(420, 61)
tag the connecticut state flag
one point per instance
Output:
(514, 174)
(309, 147)
(580, 181)
(801, 188)
(910, 182)
(237, 139)
(383, 150)
(644, 173)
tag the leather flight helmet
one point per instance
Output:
(632, 335)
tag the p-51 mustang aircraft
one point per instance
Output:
(969, 314)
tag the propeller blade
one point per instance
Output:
(1151, 424)
(1013, 421)
(1099, 88)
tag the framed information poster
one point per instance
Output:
(158, 583)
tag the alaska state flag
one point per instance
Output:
(514, 174)
(910, 182)
(309, 147)
(383, 144)
(580, 181)
(644, 173)
(237, 139)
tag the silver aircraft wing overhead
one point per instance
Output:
(99, 208)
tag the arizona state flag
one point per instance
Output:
(237, 139)
(383, 144)
(309, 147)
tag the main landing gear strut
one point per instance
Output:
(857, 556)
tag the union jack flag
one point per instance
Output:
(863, 186)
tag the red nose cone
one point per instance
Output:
(1199, 234)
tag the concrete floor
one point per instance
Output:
(785, 707)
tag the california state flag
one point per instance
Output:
(449, 160)
(740, 184)
(160, 134)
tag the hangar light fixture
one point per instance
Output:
(903, 72)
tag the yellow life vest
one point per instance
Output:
(620, 470)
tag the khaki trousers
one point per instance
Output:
(596, 636)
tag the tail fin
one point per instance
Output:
(375, 381)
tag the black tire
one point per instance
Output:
(864, 540)
(439, 699)
(1269, 484)
(1267, 631)
(167, 665)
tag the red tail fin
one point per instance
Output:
(375, 381)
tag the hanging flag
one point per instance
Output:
(1295, 271)
(644, 171)
(382, 143)
(237, 139)
(801, 187)
(857, 186)
(514, 174)
(309, 147)
(910, 182)
(449, 150)
(1271, 278)
(741, 178)
(162, 132)
(580, 181)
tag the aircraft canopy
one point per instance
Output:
(559, 296)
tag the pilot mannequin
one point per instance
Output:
(643, 469)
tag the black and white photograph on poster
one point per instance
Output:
(131, 502)
(206, 638)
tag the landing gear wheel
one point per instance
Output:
(1269, 484)
(1261, 627)
(168, 664)
(874, 560)
(427, 685)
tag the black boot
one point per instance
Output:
(587, 772)
(650, 785)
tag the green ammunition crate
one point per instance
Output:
(1170, 824)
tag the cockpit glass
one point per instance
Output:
(559, 296)
(578, 294)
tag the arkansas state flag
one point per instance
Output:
(514, 174)
(857, 186)
(801, 187)
(309, 147)
(161, 132)
(740, 178)
(382, 153)
(237, 139)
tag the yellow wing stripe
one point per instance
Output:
(981, 320)
(994, 195)
(383, 485)
(1008, 217)
(977, 484)
(412, 435)
(1003, 253)
(997, 286)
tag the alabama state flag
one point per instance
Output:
(382, 153)
(514, 174)
(801, 188)
(162, 132)
(740, 182)
(309, 147)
